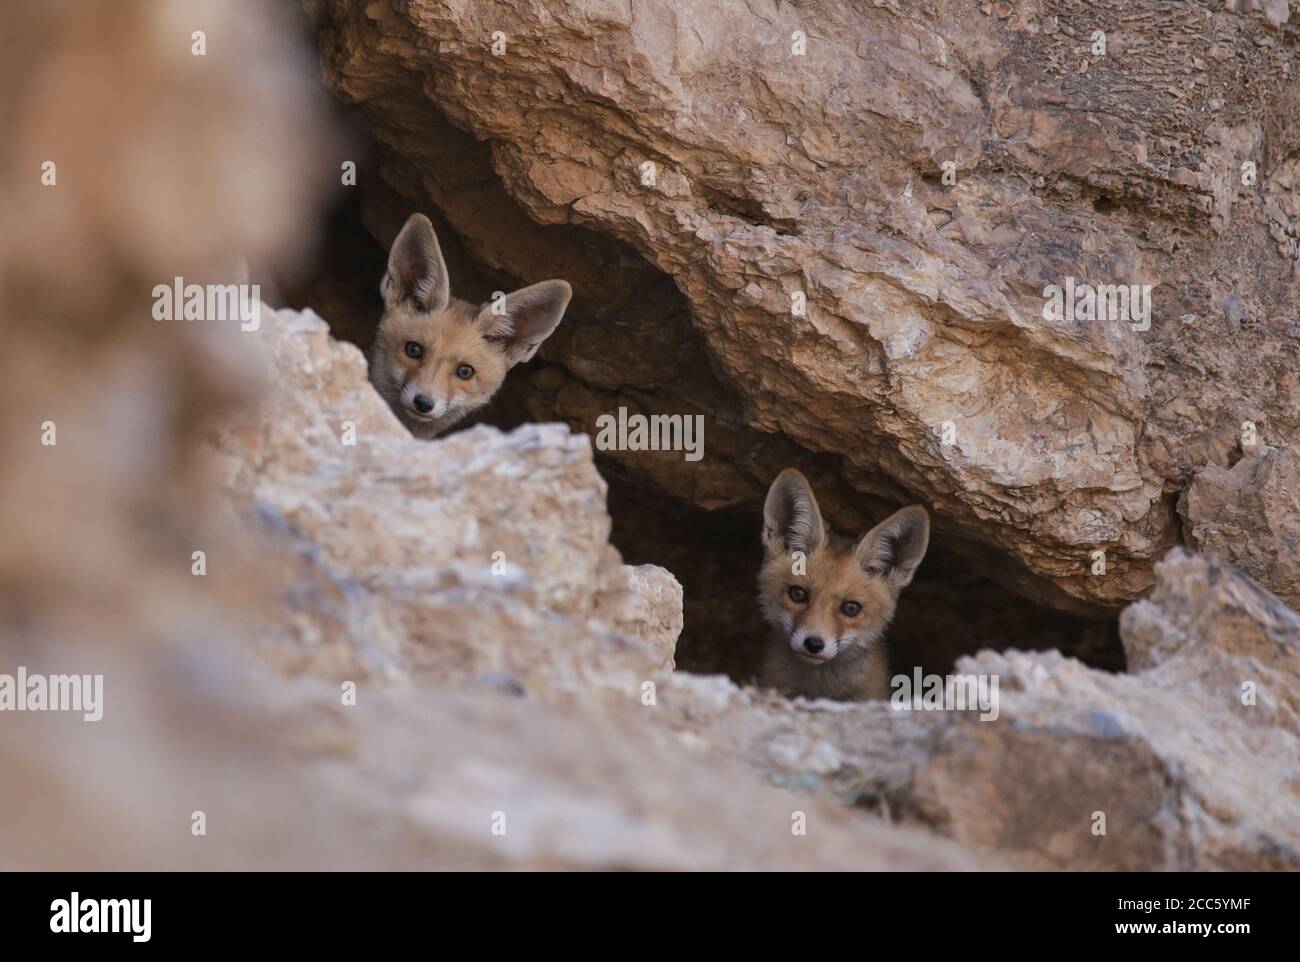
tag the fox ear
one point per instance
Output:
(526, 317)
(894, 548)
(791, 519)
(416, 270)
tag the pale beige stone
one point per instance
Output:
(1249, 515)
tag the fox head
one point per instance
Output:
(828, 596)
(436, 358)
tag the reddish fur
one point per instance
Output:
(854, 664)
(450, 337)
(449, 334)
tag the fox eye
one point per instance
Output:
(851, 608)
(465, 372)
(798, 594)
(413, 350)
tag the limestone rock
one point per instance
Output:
(1249, 515)
(1192, 759)
(573, 794)
(490, 551)
(658, 614)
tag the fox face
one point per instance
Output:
(435, 358)
(828, 598)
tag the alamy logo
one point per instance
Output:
(24, 692)
(74, 915)
(918, 692)
(657, 432)
(1127, 303)
(209, 302)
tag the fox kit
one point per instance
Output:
(828, 598)
(436, 358)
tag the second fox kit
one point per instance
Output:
(827, 598)
(436, 358)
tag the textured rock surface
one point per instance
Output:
(99, 527)
(577, 794)
(485, 554)
(822, 173)
(1187, 774)
(1249, 515)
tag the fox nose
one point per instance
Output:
(423, 403)
(813, 644)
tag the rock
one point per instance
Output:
(508, 784)
(925, 290)
(157, 172)
(490, 551)
(1249, 515)
(1191, 759)
(1277, 12)
(659, 615)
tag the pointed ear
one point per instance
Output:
(894, 548)
(416, 270)
(526, 317)
(791, 519)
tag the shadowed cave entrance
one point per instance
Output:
(704, 528)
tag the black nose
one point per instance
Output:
(814, 644)
(423, 403)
